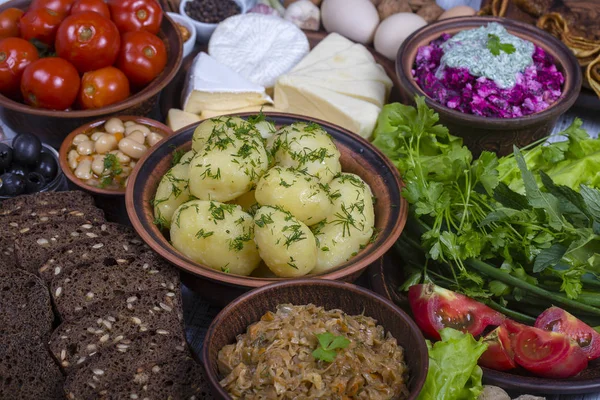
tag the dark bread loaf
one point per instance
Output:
(27, 371)
(81, 289)
(25, 307)
(114, 324)
(96, 378)
(32, 248)
(30, 202)
(123, 248)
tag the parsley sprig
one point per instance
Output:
(112, 167)
(328, 344)
(495, 46)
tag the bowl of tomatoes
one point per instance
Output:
(64, 63)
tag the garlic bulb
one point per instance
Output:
(304, 14)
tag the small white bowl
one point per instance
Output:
(204, 30)
(189, 44)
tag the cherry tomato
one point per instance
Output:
(98, 6)
(136, 15)
(40, 24)
(62, 7)
(103, 87)
(499, 354)
(50, 83)
(435, 308)
(548, 354)
(9, 22)
(15, 55)
(88, 41)
(142, 58)
(556, 319)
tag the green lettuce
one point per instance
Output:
(453, 370)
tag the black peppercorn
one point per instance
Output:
(211, 11)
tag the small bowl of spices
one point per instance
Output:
(205, 15)
(188, 32)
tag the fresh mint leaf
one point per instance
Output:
(509, 198)
(495, 46)
(571, 202)
(549, 257)
(504, 214)
(591, 197)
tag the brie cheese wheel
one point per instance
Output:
(206, 114)
(212, 85)
(259, 47)
(177, 119)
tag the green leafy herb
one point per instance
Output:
(177, 154)
(112, 169)
(328, 344)
(495, 47)
(202, 234)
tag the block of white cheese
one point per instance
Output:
(326, 48)
(214, 113)
(212, 85)
(177, 119)
(259, 47)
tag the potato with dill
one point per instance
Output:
(285, 244)
(219, 124)
(295, 191)
(173, 190)
(306, 147)
(220, 236)
(349, 227)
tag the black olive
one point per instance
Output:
(34, 182)
(18, 169)
(6, 155)
(12, 184)
(46, 166)
(26, 148)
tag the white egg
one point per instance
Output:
(458, 11)
(355, 19)
(394, 30)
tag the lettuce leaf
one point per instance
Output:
(453, 370)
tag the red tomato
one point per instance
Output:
(15, 55)
(548, 354)
(98, 6)
(558, 320)
(9, 22)
(50, 83)
(136, 15)
(88, 41)
(142, 58)
(499, 354)
(103, 87)
(40, 24)
(435, 308)
(62, 7)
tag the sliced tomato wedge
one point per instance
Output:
(556, 319)
(499, 354)
(435, 308)
(548, 354)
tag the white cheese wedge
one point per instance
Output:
(326, 48)
(215, 113)
(259, 47)
(357, 116)
(177, 119)
(211, 85)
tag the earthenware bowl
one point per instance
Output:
(357, 156)
(52, 126)
(483, 133)
(353, 300)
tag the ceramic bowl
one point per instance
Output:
(189, 44)
(353, 300)
(494, 134)
(205, 30)
(357, 156)
(52, 126)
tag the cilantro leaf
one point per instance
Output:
(495, 46)
(328, 344)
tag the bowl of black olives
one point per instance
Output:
(28, 166)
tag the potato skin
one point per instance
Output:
(294, 191)
(285, 244)
(220, 236)
(350, 227)
(173, 190)
(306, 147)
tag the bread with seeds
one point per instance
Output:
(115, 323)
(28, 203)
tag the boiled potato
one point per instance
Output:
(216, 126)
(285, 244)
(247, 201)
(220, 236)
(350, 227)
(306, 147)
(294, 191)
(229, 165)
(173, 190)
(265, 128)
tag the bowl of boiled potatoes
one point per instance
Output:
(245, 200)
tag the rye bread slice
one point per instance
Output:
(114, 322)
(123, 248)
(122, 364)
(24, 304)
(27, 370)
(32, 248)
(30, 202)
(83, 288)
